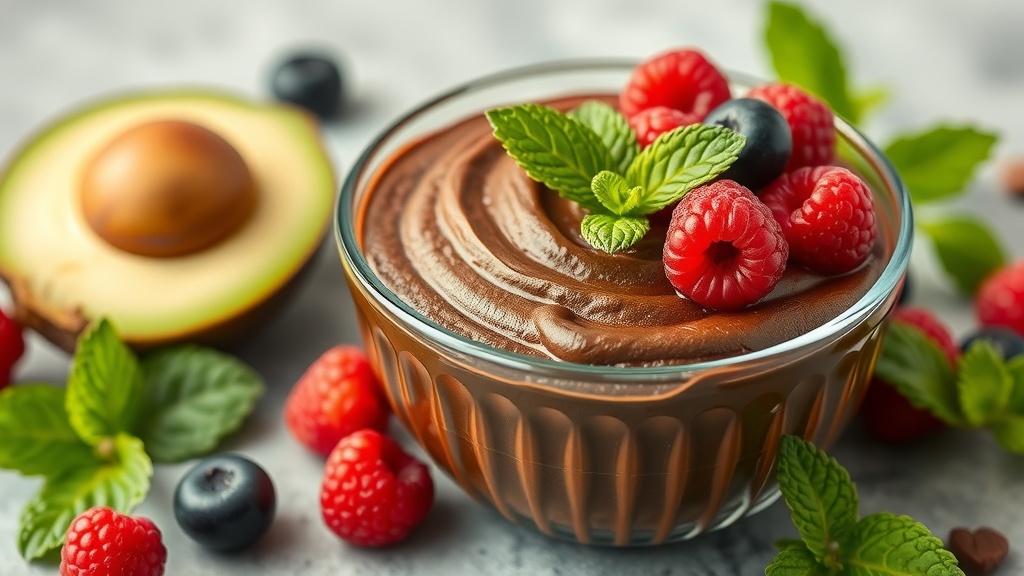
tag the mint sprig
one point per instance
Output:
(983, 391)
(823, 503)
(590, 156)
(194, 397)
(89, 441)
(935, 163)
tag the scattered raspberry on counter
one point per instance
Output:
(103, 542)
(373, 493)
(886, 414)
(1000, 299)
(338, 395)
(12, 346)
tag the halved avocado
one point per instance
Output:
(66, 264)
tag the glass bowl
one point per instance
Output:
(605, 454)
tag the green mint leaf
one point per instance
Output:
(984, 384)
(120, 484)
(194, 397)
(919, 369)
(819, 493)
(795, 561)
(937, 163)
(1009, 432)
(37, 437)
(613, 129)
(612, 233)
(552, 148)
(967, 250)
(784, 543)
(612, 191)
(802, 53)
(884, 543)
(105, 385)
(867, 101)
(1015, 367)
(680, 160)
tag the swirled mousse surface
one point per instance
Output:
(459, 232)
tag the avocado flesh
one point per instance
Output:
(62, 274)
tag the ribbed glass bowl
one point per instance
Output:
(613, 455)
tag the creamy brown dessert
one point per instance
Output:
(456, 229)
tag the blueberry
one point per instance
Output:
(769, 141)
(1006, 342)
(225, 502)
(309, 80)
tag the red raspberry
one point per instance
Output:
(653, 122)
(373, 493)
(827, 215)
(723, 249)
(103, 542)
(1000, 300)
(12, 346)
(681, 79)
(337, 395)
(925, 321)
(810, 122)
(887, 415)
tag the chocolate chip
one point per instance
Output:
(979, 552)
(1013, 177)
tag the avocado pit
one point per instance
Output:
(166, 188)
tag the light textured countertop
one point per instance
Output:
(943, 59)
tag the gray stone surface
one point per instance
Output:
(943, 59)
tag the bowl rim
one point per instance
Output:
(354, 260)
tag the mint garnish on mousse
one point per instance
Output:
(590, 156)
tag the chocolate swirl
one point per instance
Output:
(454, 228)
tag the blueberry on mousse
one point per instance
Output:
(769, 141)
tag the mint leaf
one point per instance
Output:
(784, 543)
(612, 191)
(795, 561)
(612, 233)
(552, 148)
(37, 437)
(867, 101)
(680, 160)
(1009, 432)
(984, 384)
(120, 484)
(105, 385)
(966, 249)
(802, 53)
(919, 369)
(613, 129)
(819, 493)
(194, 396)
(937, 163)
(884, 543)
(1015, 367)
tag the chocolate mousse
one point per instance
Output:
(458, 231)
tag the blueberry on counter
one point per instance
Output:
(1006, 341)
(769, 141)
(225, 502)
(310, 80)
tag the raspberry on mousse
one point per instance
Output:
(723, 249)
